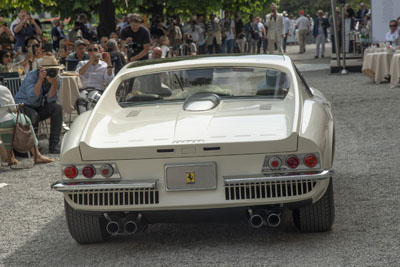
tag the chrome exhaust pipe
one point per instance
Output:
(255, 220)
(130, 227)
(112, 227)
(273, 219)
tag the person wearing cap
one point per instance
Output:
(303, 25)
(39, 92)
(80, 51)
(274, 23)
(320, 33)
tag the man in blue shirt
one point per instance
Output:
(39, 93)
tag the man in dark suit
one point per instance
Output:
(362, 11)
(320, 33)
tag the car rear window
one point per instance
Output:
(226, 82)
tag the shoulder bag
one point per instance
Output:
(22, 140)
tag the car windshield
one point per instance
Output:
(226, 82)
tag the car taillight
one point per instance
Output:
(89, 171)
(275, 163)
(107, 170)
(292, 162)
(71, 172)
(310, 160)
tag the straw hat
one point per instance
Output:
(50, 62)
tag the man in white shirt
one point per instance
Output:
(392, 35)
(303, 24)
(228, 33)
(95, 73)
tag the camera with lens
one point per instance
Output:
(52, 72)
(77, 26)
(132, 49)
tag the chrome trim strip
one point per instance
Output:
(62, 187)
(240, 179)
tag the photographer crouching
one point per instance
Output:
(95, 74)
(135, 39)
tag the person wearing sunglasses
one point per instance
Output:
(39, 92)
(98, 70)
(392, 35)
(95, 74)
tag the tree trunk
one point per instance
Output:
(107, 18)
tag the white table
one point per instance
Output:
(377, 66)
(69, 92)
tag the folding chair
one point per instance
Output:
(11, 80)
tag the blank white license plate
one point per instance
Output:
(193, 176)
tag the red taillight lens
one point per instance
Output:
(71, 172)
(107, 170)
(310, 160)
(292, 162)
(275, 163)
(89, 171)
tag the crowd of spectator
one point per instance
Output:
(97, 59)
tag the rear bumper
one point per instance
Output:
(231, 192)
(228, 180)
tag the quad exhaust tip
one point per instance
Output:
(273, 220)
(261, 217)
(256, 221)
(112, 227)
(130, 227)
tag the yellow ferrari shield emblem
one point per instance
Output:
(190, 178)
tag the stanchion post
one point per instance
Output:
(344, 71)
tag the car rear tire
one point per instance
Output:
(84, 228)
(317, 217)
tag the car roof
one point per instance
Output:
(281, 60)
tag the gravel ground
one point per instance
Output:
(366, 231)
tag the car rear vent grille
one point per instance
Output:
(168, 150)
(268, 190)
(215, 148)
(114, 197)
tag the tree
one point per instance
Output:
(312, 6)
(106, 8)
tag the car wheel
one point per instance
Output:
(85, 228)
(317, 217)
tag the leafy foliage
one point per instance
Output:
(312, 6)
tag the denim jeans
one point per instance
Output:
(227, 45)
(48, 110)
